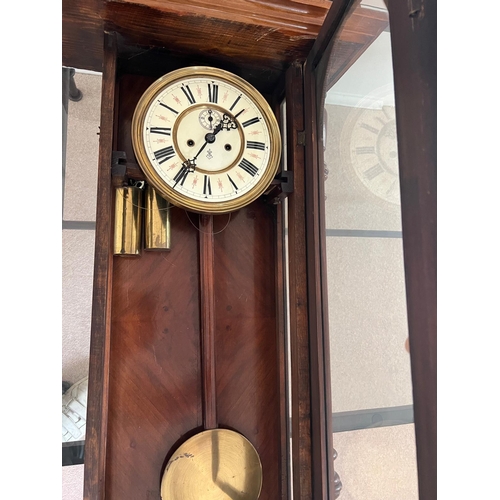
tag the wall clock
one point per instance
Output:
(206, 139)
(369, 145)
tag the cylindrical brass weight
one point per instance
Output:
(128, 221)
(157, 224)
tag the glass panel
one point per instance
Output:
(81, 118)
(372, 400)
(82, 148)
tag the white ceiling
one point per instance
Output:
(369, 81)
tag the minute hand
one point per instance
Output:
(209, 139)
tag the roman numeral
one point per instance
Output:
(232, 182)
(372, 172)
(169, 108)
(207, 186)
(256, 145)
(213, 93)
(188, 94)
(235, 102)
(248, 167)
(365, 150)
(181, 176)
(370, 128)
(164, 154)
(160, 130)
(250, 122)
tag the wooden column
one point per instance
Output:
(97, 402)
(207, 306)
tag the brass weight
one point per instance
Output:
(157, 221)
(128, 220)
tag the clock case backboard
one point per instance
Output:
(147, 356)
(146, 360)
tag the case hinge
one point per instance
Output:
(301, 138)
(123, 170)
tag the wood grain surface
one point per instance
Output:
(299, 318)
(208, 320)
(194, 341)
(100, 329)
(274, 31)
(246, 339)
(155, 391)
(414, 31)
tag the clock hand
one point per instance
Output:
(209, 139)
(182, 174)
(227, 122)
(210, 119)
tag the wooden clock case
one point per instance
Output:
(197, 337)
(194, 338)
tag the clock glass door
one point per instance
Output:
(365, 314)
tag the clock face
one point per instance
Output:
(371, 140)
(206, 139)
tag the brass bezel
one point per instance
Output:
(179, 199)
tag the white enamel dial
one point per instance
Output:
(206, 139)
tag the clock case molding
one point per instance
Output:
(121, 462)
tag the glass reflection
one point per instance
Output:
(370, 365)
(80, 144)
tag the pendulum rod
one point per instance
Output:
(206, 234)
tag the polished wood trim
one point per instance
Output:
(229, 31)
(97, 402)
(331, 24)
(276, 14)
(282, 350)
(321, 422)
(207, 314)
(414, 32)
(82, 34)
(281, 313)
(299, 318)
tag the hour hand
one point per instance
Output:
(189, 165)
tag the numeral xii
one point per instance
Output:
(213, 93)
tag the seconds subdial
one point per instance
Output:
(209, 118)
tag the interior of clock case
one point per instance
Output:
(155, 362)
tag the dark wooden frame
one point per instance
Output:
(413, 31)
(298, 297)
(99, 382)
(95, 440)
